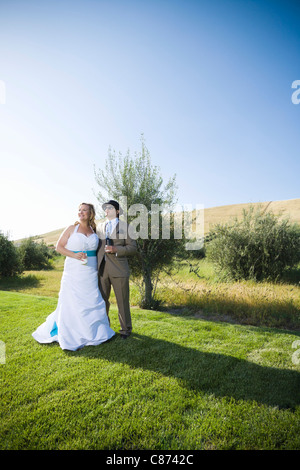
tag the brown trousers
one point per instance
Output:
(121, 290)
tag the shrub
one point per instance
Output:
(10, 263)
(35, 256)
(260, 246)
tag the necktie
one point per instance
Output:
(108, 229)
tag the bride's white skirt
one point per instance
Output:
(80, 318)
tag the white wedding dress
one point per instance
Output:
(80, 318)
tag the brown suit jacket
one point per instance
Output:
(116, 263)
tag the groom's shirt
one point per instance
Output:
(110, 226)
(109, 229)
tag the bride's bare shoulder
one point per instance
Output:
(68, 231)
(70, 228)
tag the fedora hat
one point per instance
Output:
(115, 204)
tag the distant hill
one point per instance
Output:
(223, 214)
(216, 215)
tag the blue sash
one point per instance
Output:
(88, 253)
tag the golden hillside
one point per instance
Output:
(216, 215)
(223, 214)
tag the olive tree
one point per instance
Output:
(133, 178)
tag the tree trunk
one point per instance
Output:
(147, 301)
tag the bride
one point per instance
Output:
(80, 318)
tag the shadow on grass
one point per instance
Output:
(17, 283)
(217, 374)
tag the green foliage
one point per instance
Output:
(135, 178)
(260, 246)
(35, 256)
(10, 263)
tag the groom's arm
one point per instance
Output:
(128, 249)
(124, 245)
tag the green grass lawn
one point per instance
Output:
(179, 382)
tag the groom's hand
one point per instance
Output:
(110, 249)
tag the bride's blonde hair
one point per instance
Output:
(92, 215)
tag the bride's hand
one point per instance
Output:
(80, 256)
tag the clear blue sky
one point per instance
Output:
(207, 82)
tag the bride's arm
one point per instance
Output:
(63, 240)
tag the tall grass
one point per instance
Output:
(195, 289)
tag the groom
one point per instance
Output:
(114, 247)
